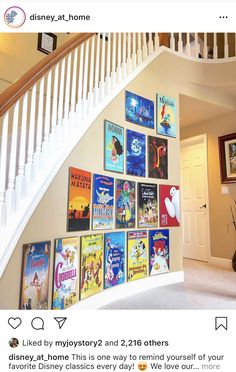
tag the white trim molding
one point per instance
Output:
(221, 262)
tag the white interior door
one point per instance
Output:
(194, 194)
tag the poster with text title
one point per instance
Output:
(91, 267)
(159, 251)
(114, 258)
(35, 276)
(125, 204)
(136, 153)
(103, 202)
(169, 200)
(166, 116)
(137, 255)
(147, 205)
(113, 147)
(139, 110)
(79, 200)
(66, 273)
(157, 158)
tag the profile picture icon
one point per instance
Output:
(14, 342)
(14, 17)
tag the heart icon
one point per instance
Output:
(14, 322)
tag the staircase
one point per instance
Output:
(46, 112)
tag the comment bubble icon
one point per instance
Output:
(37, 324)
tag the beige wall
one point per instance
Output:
(49, 219)
(18, 53)
(223, 241)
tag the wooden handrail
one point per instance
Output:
(24, 83)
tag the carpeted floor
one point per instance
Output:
(205, 287)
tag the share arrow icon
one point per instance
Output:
(60, 320)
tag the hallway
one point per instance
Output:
(206, 288)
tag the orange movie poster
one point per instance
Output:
(79, 200)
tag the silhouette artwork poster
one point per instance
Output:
(114, 258)
(147, 205)
(137, 255)
(135, 153)
(169, 200)
(159, 251)
(113, 147)
(35, 276)
(103, 202)
(166, 116)
(125, 204)
(139, 110)
(79, 200)
(157, 158)
(91, 270)
(66, 273)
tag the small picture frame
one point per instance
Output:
(227, 154)
(47, 42)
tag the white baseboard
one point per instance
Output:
(128, 289)
(221, 262)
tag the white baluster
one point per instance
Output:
(139, 52)
(61, 97)
(108, 66)
(124, 65)
(226, 45)
(172, 41)
(129, 61)
(91, 75)
(205, 48)
(113, 72)
(150, 43)
(215, 47)
(73, 89)
(119, 69)
(20, 187)
(188, 48)
(80, 82)
(67, 92)
(3, 170)
(196, 44)
(180, 43)
(157, 40)
(102, 70)
(144, 45)
(85, 81)
(37, 155)
(47, 120)
(52, 135)
(30, 148)
(134, 55)
(96, 88)
(10, 193)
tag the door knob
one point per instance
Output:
(203, 206)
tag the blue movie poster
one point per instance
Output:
(113, 147)
(159, 251)
(166, 116)
(114, 259)
(125, 204)
(139, 110)
(103, 202)
(136, 154)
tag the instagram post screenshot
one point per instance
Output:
(117, 186)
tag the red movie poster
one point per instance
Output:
(169, 205)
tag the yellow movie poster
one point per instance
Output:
(137, 255)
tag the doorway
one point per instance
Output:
(195, 201)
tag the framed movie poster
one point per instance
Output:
(66, 273)
(135, 153)
(157, 158)
(137, 255)
(159, 251)
(125, 204)
(147, 205)
(103, 202)
(139, 110)
(169, 200)
(113, 147)
(79, 200)
(227, 151)
(166, 116)
(114, 256)
(35, 276)
(91, 265)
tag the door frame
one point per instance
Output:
(194, 141)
